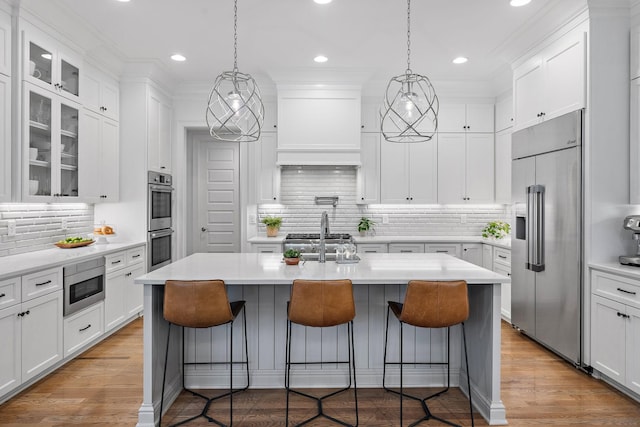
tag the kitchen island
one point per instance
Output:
(263, 280)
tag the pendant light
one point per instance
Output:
(410, 109)
(235, 111)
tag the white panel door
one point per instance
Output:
(565, 78)
(394, 173)
(480, 117)
(608, 338)
(10, 325)
(479, 168)
(218, 196)
(452, 118)
(528, 83)
(423, 172)
(451, 168)
(633, 349)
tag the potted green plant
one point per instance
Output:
(291, 257)
(273, 224)
(496, 230)
(365, 225)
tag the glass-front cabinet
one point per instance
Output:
(51, 68)
(51, 140)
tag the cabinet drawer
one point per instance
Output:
(397, 248)
(369, 248)
(10, 292)
(452, 249)
(83, 327)
(502, 256)
(267, 248)
(617, 288)
(135, 255)
(41, 283)
(115, 261)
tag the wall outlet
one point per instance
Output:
(11, 227)
(63, 224)
(385, 218)
(463, 219)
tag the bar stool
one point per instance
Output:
(430, 305)
(322, 303)
(203, 304)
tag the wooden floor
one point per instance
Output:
(103, 387)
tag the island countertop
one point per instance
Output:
(373, 268)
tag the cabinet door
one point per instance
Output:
(633, 349)
(398, 248)
(451, 168)
(40, 150)
(503, 167)
(565, 72)
(479, 173)
(487, 257)
(158, 133)
(5, 135)
(608, 338)
(10, 364)
(133, 298)
(110, 161)
(423, 172)
(528, 84)
(394, 173)
(83, 327)
(504, 113)
(42, 331)
(634, 142)
(480, 118)
(114, 311)
(505, 294)
(372, 248)
(268, 172)
(472, 252)
(452, 249)
(89, 157)
(368, 181)
(267, 248)
(370, 116)
(270, 123)
(110, 97)
(452, 118)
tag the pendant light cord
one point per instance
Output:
(235, 36)
(409, 37)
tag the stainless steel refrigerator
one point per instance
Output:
(546, 245)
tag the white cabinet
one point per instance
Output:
(472, 252)
(10, 350)
(99, 160)
(5, 136)
(82, 328)
(487, 256)
(615, 327)
(370, 116)
(453, 249)
(50, 66)
(368, 175)
(551, 83)
(466, 118)
(409, 172)
(503, 167)
(270, 123)
(504, 113)
(158, 131)
(51, 146)
(502, 265)
(634, 142)
(100, 93)
(372, 248)
(465, 168)
(398, 248)
(266, 248)
(267, 172)
(123, 299)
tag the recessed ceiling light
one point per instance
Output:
(178, 58)
(323, 1)
(518, 3)
(321, 58)
(460, 60)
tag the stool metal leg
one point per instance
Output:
(466, 361)
(164, 375)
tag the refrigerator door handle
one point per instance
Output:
(535, 238)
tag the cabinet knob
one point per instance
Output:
(3, 295)
(162, 167)
(203, 229)
(361, 198)
(274, 198)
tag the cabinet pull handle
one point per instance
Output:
(43, 283)
(127, 275)
(3, 295)
(626, 292)
(502, 256)
(405, 251)
(442, 252)
(24, 313)
(85, 328)
(116, 262)
(136, 256)
(624, 316)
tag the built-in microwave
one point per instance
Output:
(84, 285)
(160, 194)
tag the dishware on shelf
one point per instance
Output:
(33, 153)
(33, 70)
(33, 186)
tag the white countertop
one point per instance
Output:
(502, 243)
(269, 269)
(617, 268)
(17, 265)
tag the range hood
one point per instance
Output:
(319, 125)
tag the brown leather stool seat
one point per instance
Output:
(430, 305)
(321, 304)
(203, 304)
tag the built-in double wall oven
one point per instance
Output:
(159, 231)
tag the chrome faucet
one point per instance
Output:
(324, 230)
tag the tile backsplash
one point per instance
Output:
(40, 225)
(300, 185)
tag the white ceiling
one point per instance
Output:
(276, 36)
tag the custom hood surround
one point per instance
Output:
(319, 125)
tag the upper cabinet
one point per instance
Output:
(465, 118)
(504, 113)
(368, 177)
(50, 66)
(158, 131)
(100, 93)
(551, 83)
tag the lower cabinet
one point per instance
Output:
(615, 328)
(266, 248)
(472, 252)
(452, 249)
(82, 328)
(372, 248)
(124, 298)
(502, 265)
(397, 248)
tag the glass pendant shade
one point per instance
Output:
(410, 109)
(235, 111)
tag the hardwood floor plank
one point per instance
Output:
(103, 387)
